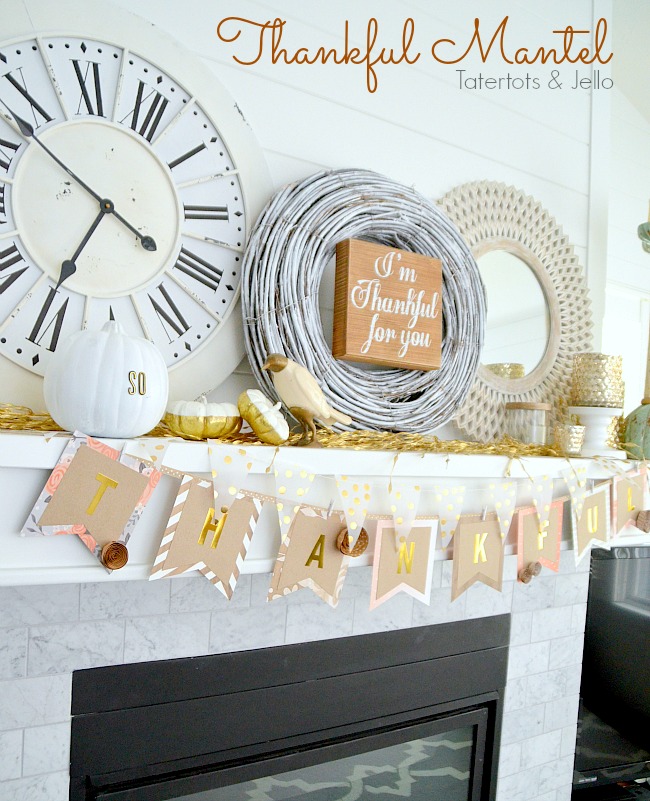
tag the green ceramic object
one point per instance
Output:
(637, 433)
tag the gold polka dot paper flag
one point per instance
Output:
(503, 498)
(292, 485)
(448, 503)
(230, 466)
(576, 480)
(355, 494)
(541, 491)
(403, 502)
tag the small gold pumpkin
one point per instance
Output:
(202, 420)
(266, 420)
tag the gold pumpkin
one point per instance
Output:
(266, 420)
(202, 420)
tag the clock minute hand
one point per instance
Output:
(148, 242)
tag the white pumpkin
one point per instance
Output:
(202, 420)
(266, 419)
(106, 383)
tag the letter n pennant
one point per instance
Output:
(308, 557)
(478, 554)
(198, 539)
(403, 563)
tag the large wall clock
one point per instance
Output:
(128, 180)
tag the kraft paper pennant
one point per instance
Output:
(592, 527)
(292, 485)
(403, 501)
(629, 497)
(503, 496)
(541, 490)
(355, 494)
(94, 492)
(197, 539)
(449, 506)
(309, 558)
(403, 563)
(577, 484)
(478, 554)
(539, 541)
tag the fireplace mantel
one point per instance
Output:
(27, 457)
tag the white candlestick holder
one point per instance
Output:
(598, 430)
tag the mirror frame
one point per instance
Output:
(492, 216)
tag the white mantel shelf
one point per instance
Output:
(27, 457)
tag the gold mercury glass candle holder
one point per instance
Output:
(569, 438)
(597, 381)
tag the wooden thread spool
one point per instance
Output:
(344, 542)
(529, 572)
(114, 555)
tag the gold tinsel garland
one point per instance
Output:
(22, 418)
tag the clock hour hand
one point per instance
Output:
(69, 266)
(147, 242)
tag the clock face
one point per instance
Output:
(145, 161)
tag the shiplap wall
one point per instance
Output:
(627, 314)
(419, 127)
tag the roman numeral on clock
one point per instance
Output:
(53, 326)
(89, 83)
(206, 212)
(170, 316)
(147, 112)
(3, 208)
(186, 156)
(200, 269)
(8, 258)
(21, 87)
(7, 150)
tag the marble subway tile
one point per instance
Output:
(395, 613)
(34, 701)
(11, 755)
(551, 623)
(520, 725)
(520, 627)
(566, 651)
(357, 583)
(483, 601)
(556, 774)
(541, 749)
(569, 736)
(13, 652)
(46, 749)
(550, 796)
(561, 713)
(524, 660)
(124, 599)
(318, 622)
(515, 694)
(441, 608)
(517, 787)
(245, 629)
(33, 606)
(58, 649)
(197, 594)
(539, 594)
(543, 687)
(571, 589)
(578, 618)
(48, 787)
(166, 637)
(562, 794)
(509, 760)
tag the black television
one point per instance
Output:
(613, 744)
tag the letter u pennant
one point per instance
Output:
(403, 563)
(95, 492)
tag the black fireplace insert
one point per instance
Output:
(414, 713)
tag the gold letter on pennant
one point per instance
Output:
(317, 552)
(104, 483)
(630, 505)
(479, 547)
(541, 535)
(592, 519)
(405, 558)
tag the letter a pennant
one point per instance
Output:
(403, 563)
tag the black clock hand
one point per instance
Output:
(148, 242)
(69, 266)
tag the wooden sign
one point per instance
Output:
(387, 306)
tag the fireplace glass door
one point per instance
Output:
(439, 760)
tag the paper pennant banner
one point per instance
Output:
(355, 494)
(230, 466)
(539, 541)
(449, 504)
(592, 527)
(577, 484)
(541, 490)
(503, 496)
(403, 563)
(196, 539)
(309, 557)
(403, 501)
(93, 492)
(629, 497)
(149, 450)
(478, 554)
(292, 485)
